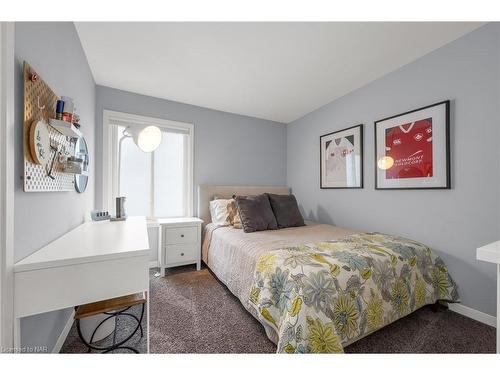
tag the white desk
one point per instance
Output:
(491, 253)
(93, 262)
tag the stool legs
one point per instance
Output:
(115, 345)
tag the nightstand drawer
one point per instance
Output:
(181, 235)
(181, 253)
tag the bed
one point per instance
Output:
(319, 288)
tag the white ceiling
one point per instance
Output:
(274, 71)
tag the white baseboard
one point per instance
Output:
(473, 314)
(64, 333)
(153, 264)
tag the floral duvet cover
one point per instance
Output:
(320, 297)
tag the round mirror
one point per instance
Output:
(82, 152)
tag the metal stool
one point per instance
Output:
(114, 308)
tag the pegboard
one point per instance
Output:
(39, 104)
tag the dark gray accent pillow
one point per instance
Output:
(255, 213)
(286, 210)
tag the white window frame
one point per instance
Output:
(110, 153)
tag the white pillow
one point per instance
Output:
(219, 212)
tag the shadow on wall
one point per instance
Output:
(323, 216)
(309, 216)
(320, 216)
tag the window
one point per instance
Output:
(156, 184)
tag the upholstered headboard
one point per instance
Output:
(207, 192)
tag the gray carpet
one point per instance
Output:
(193, 312)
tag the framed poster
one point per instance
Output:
(412, 149)
(341, 159)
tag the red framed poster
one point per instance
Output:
(412, 149)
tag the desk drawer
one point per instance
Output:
(181, 253)
(181, 235)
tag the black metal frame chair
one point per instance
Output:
(113, 314)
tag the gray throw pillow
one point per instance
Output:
(255, 213)
(286, 210)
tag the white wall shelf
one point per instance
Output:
(66, 128)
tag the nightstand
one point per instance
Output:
(180, 242)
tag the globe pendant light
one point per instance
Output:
(147, 139)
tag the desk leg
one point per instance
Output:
(498, 308)
(17, 335)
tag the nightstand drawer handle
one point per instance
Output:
(182, 254)
(182, 235)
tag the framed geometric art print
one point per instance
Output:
(412, 149)
(341, 159)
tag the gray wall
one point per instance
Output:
(54, 50)
(454, 222)
(229, 149)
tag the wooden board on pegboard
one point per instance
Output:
(39, 104)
